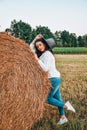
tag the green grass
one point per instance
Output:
(73, 70)
(70, 50)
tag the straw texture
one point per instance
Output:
(23, 85)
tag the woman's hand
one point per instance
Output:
(38, 36)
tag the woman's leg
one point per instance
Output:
(58, 97)
(55, 88)
(54, 97)
(53, 101)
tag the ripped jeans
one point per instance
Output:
(54, 96)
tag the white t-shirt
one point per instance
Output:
(47, 62)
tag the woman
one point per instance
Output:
(43, 49)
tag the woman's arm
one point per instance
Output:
(32, 46)
(32, 43)
(43, 66)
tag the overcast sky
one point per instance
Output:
(57, 15)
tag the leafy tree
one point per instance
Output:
(73, 40)
(80, 41)
(21, 30)
(45, 31)
(57, 35)
(65, 38)
(25, 32)
(85, 40)
(33, 35)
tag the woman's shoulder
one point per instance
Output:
(48, 52)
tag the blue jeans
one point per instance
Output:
(54, 96)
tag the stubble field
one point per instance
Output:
(73, 69)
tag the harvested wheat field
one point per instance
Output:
(74, 75)
(23, 85)
(73, 69)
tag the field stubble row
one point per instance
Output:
(73, 69)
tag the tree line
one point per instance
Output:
(25, 32)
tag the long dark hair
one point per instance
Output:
(39, 53)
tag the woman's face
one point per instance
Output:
(40, 46)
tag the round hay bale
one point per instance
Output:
(23, 85)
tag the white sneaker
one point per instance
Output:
(62, 121)
(69, 106)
